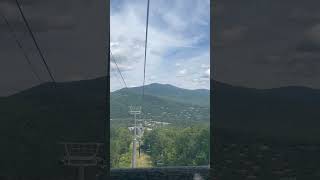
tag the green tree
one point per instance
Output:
(119, 145)
(179, 146)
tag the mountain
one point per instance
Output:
(169, 92)
(34, 121)
(162, 102)
(285, 112)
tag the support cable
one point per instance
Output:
(114, 60)
(35, 42)
(145, 54)
(34, 72)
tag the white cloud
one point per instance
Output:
(205, 66)
(182, 72)
(175, 21)
(151, 78)
(122, 67)
(168, 30)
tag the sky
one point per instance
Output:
(72, 35)
(267, 44)
(260, 44)
(178, 43)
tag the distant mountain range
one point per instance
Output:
(163, 102)
(173, 93)
(286, 112)
(35, 120)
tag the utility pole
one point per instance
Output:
(139, 148)
(139, 137)
(134, 110)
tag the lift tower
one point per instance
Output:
(134, 110)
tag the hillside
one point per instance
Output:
(34, 121)
(198, 97)
(162, 102)
(286, 112)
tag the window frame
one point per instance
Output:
(184, 172)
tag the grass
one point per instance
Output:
(143, 161)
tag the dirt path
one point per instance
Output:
(144, 160)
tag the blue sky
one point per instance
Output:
(178, 42)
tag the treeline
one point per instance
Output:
(166, 146)
(176, 146)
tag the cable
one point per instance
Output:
(39, 51)
(21, 48)
(124, 82)
(35, 42)
(145, 60)
(116, 76)
(118, 69)
(145, 53)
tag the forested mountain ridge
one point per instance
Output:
(163, 102)
(35, 120)
(44, 116)
(198, 97)
(284, 112)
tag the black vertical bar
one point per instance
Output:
(139, 148)
(212, 142)
(107, 121)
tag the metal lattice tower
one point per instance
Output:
(134, 110)
(83, 155)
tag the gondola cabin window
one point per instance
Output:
(159, 84)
